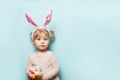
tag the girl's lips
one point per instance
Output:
(42, 45)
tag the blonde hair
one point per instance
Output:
(49, 34)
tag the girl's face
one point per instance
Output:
(41, 42)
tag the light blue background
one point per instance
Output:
(87, 40)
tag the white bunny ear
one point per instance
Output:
(30, 20)
(48, 18)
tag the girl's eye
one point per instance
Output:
(45, 39)
(38, 39)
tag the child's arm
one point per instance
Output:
(52, 73)
(28, 66)
(29, 69)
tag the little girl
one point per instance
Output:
(42, 65)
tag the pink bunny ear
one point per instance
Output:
(30, 20)
(48, 18)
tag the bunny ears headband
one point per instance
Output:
(44, 26)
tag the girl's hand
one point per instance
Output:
(31, 73)
(32, 70)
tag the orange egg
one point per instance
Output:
(32, 76)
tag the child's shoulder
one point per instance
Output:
(31, 55)
(50, 52)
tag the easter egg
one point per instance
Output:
(38, 74)
(32, 76)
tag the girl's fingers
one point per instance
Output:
(32, 70)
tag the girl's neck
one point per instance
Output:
(41, 52)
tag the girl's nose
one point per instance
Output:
(42, 41)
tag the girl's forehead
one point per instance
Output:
(43, 35)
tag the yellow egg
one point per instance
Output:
(38, 74)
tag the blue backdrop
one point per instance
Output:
(87, 37)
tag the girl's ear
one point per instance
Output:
(52, 35)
